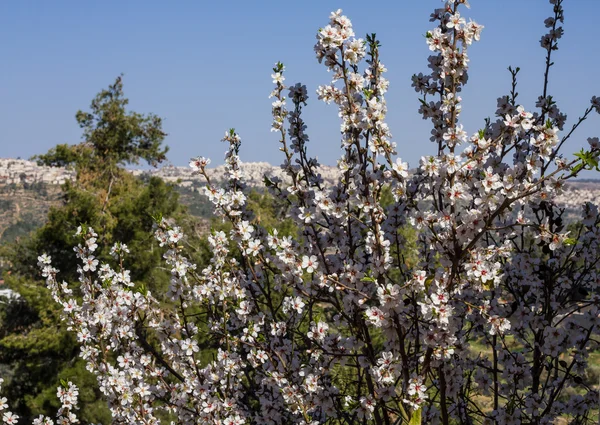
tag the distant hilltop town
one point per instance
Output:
(253, 173)
(19, 171)
(16, 171)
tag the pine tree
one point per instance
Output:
(35, 347)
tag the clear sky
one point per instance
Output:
(204, 66)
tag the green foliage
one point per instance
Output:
(26, 224)
(587, 161)
(112, 135)
(33, 341)
(6, 205)
(415, 419)
(270, 213)
(95, 410)
(62, 155)
(197, 203)
(35, 347)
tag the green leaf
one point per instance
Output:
(577, 168)
(267, 181)
(368, 279)
(428, 282)
(107, 283)
(157, 218)
(84, 230)
(142, 289)
(278, 67)
(415, 419)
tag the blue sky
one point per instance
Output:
(205, 67)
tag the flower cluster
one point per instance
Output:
(67, 394)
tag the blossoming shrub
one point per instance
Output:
(492, 323)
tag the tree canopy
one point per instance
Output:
(35, 347)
